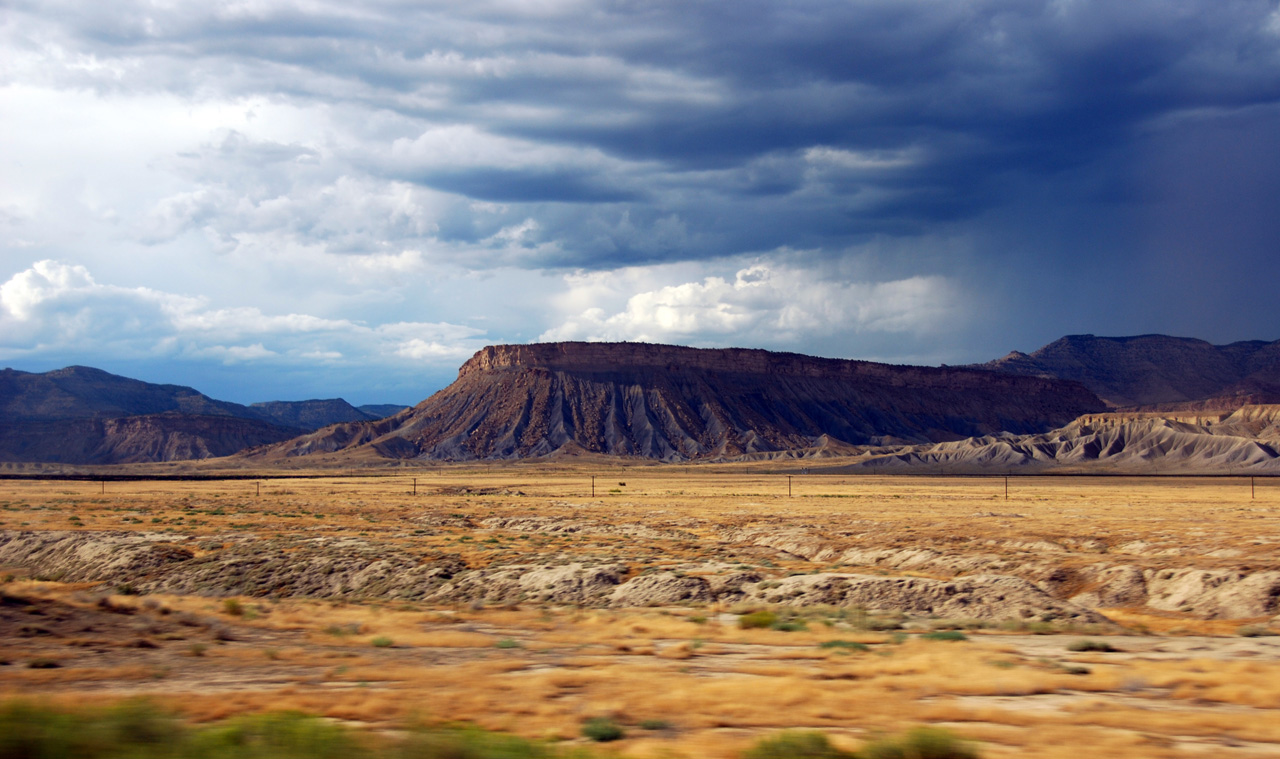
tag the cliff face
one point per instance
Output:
(133, 439)
(673, 403)
(1159, 372)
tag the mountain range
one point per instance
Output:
(82, 415)
(1167, 396)
(1158, 372)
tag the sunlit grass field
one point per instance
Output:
(688, 680)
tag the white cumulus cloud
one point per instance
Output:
(763, 303)
(54, 308)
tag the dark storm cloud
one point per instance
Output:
(638, 132)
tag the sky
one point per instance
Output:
(286, 200)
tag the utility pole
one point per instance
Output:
(593, 486)
(259, 486)
(1006, 487)
(788, 486)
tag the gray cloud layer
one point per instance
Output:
(1019, 169)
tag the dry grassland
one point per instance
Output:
(683, 679)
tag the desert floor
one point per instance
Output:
(683, 680)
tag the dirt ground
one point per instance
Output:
(1164, 677)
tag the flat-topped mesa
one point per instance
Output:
(621, 357)
(679, 404)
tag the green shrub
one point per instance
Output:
(844, 645)
(1254, 631)
(757, 620)
(468, 743)
(795, 744)
(945, 635)
(287, 735)
(382, 641)
(920, 743)
(601, 730)
(1091, 645)
(233, 607)
(138, 730)
(654, 724)
(507, 643)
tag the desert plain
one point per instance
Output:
(698, 608)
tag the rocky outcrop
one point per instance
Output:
(1056, 587)
(662, 589)
(676, 404)
(576, 584)
(560, 525)
(1244, 442)
(71, 556)
(983, 597)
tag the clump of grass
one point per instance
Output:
(382, 641)
(507, 643)
(950, 635)
(1087, 644)
(795, 744)
(468, 743)
(757, 620)
(43, 663)
(920, 743)
(789, 625)
(844, 645)
(654, 724)
(139, 730)
(233, 607)
(1254, 631)
(602, 730)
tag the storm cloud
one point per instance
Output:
(905, 180)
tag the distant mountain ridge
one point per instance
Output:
(1157, 370)
(677, 404)
(82, 415)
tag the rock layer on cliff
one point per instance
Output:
(675, 403)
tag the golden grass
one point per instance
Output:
(720, 687)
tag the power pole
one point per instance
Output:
(788, 486)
